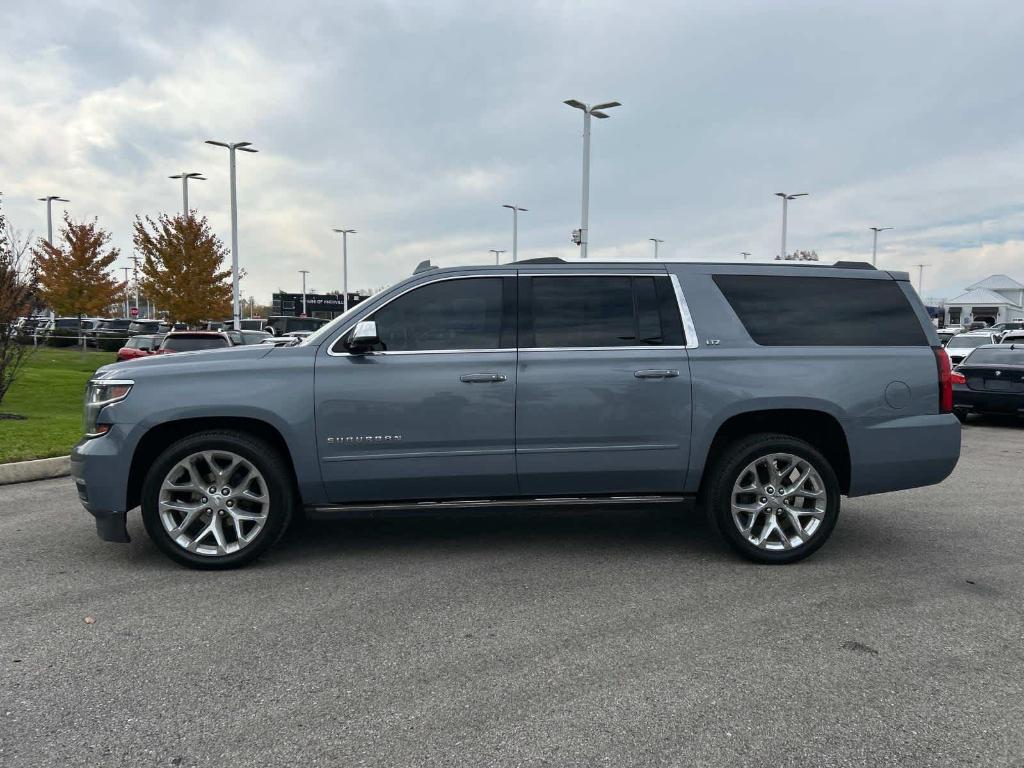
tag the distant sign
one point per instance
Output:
(134, 311)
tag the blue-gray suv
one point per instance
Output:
(761, 392)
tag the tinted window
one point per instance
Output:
(445, 315)
(115, 325)
(194, 343)
(822, 311)
(1005, 356)
(67, 323)
(601, 311)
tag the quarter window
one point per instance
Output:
(444, 315)
(600, 311)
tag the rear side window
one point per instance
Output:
(822, 311)
(599, 311)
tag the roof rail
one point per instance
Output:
(854, 265)
(543, 260)
(424, 266)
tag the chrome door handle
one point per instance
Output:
(482, 378)
(654, 374)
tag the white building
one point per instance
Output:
(996, 299)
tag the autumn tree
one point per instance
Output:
(15, 300)
(72, 273)
(183, 267)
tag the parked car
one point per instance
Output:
(961, 345)
(945, 335)
(149, 327)
(1014, 325)
(990, 381)
(109, 333)
(538, 383)
(248, 337)
(193, 341)
(142, 345)
(282, 324)
(1012, 337)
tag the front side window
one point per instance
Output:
(581, 311)
(447, 315)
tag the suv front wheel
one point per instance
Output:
(773, 498)
(217, 499)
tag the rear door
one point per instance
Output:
(603, 391)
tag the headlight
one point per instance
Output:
(100, 393)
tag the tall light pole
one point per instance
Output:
(588, 111)
(920, 278)
(344, 265)
(515, 229)
(656, 241)
(744, 254)
(785, 207)
(874, 244)
(49, 214)
(185, 176)
(126, 269)
(244, 146)
(497, 255)
(304, 273)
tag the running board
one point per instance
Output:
(332, 511)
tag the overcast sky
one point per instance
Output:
(413, 122)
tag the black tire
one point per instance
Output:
(725, 472)
(961, 414)
(266, 459)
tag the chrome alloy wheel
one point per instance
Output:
(778, 502)
(213, 503)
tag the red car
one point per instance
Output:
(193, 341)
(142, 345)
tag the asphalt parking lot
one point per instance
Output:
(619, 638)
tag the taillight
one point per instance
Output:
(945, 380)
(957, 378)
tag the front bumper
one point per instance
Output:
(982, 401)
(100, 468)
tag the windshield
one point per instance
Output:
(194, 343)
(67, 322)
(968, 342)
(326, 330)
(996, 356)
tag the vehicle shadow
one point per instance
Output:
(655, 527)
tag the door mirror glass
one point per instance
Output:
(364, 336)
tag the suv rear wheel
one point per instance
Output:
(773, 498)
(217, 499)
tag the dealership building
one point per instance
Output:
(322, 305)
(996, 299)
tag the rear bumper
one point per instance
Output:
(965, 399)
(902, 453)
(100, 467)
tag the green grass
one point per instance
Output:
(48, 392)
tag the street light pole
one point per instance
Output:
(515, 229)
(655, 241)
(344, 265)
(304, 273)
(588, 111)
(49, 214)
(497, 255)
(785, 206)
(744, 254)
(874, 244)
(244, 146)
(185, 176)
(126, 312)
(920, 278)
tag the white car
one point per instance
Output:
(961, 345)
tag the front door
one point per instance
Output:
(603, 404)
(430, 412)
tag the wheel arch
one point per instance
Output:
(819, 428)
(158, 437)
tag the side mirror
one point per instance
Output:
(364, 336)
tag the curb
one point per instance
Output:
(40, 469)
